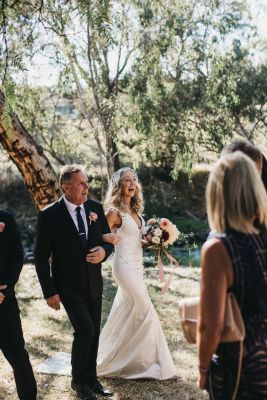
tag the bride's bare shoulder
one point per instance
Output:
(114, 217)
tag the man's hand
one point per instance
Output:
(96, 255)
(54, 302)
(202, 381)
(2, 296)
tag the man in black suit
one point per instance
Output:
(11, 335)
(67, 231)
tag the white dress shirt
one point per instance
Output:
(72, 210)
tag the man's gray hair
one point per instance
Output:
(67, 171)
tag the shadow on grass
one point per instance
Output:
(24, 305)
(43, 346)
(53, 387)
(63, 325)
(148, 389)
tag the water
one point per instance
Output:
(182, 255)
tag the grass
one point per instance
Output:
(47, 332)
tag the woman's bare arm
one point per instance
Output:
(114, 219)
(217, 276)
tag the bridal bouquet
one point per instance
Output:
(158, 234)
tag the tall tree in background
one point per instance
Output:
(165, 81)
(168, 60)
(83, 36)
(193, 81)
(36, 170)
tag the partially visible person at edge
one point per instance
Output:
(235, 261)
(11, 336)
(248, 148)
(252, 151)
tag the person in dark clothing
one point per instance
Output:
(234, 260)
(69, 230)
(11, 336)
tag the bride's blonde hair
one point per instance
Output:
(114, 197)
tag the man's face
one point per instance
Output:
(76, 191)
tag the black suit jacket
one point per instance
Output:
(11, 253)
(60, 255)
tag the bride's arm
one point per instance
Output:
(114, 221)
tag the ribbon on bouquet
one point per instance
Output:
(174, 264)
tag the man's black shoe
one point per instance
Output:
(83, 391)
(99, 389)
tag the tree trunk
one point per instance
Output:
(36, 170)
(112, 155)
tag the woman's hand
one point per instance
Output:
(144, 242)
(112, 238)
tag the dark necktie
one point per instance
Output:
(82, 231)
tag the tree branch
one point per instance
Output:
(4, 28)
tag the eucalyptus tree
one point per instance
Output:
(193, 84)
(89, 40)
(165, 80)
(35, 168)
(160, 78)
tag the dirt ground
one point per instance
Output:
(47, 332)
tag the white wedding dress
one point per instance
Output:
(132, 344)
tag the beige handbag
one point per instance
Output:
(234, 329)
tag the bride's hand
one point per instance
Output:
(112, 238)
(143, 242)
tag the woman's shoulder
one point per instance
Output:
(215, 260)
(213, 247)
(114, 216)
(115, 211)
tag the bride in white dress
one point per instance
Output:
(132, 344)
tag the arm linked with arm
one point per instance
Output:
(108, 247)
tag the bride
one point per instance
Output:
(132, 343)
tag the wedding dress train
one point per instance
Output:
(132, 344)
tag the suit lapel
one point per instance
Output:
(92, 228)
(87, 212)
(69, 221)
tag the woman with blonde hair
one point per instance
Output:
(235, 261)
(132, 344)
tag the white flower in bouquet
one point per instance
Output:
(157, 232)
(155, 239)
(152, 221)
(145, 229)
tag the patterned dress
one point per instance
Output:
(238, 371)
